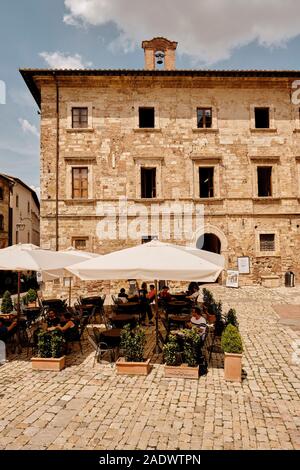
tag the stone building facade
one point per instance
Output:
(226, 140)
(20, 208)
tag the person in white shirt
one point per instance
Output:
(198, 321)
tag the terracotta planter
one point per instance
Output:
(31, 304)
(132, 368)
(182, 372)
(49, 363)
(233, 367)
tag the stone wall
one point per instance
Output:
(114, 149)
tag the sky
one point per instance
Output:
(222, 34)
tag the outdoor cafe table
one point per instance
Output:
(122, 319)
(179, 320)
(179, 296)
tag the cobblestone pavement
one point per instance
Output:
(86, 407)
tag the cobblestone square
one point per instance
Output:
(90, 407)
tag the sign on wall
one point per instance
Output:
(243, 264)
(232, 279)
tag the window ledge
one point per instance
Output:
(296, 131)
(266, 200)
(209, 200)
(205, 130)
(79, 129)
(77, 202)
(267, 130)
(149, 199)
(146, 129)
(268, 254)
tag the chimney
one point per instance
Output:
(159, 51)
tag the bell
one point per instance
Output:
(160, 61)
(159, 57)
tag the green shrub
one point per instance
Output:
(6, 305)
(231, 318)
(231, 340)
(31, 296)
(171, 350)
(208, 300)
(192, 340)
(133, 344)
(50, 344)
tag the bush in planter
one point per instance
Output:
(6, 305)
(133, 344)
(171, 351)
(208, 300)
(231, 318)
(231, 340)
(31, 296)
(191, 345)
(50, 344)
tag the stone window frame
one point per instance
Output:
(79, 104)
(214, 110)
(272, 122)
(81, 237)
(148, 162)
(147, 104)
(212, 162)
(261, 162)
(263, 254)
(69, 171)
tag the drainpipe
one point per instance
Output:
(57, 164)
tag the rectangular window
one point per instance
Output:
(267, 242)
(79, 118)
(28, 237)
(204, 118)
(17, 200)
(1, 194)
(1, 222)
(262, 118)
(80, 183)
(206, 181)
(264, 181)
(17, 237)
(146, 118)
(148, 182)
(79, 243)
(28, 207)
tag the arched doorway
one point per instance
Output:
(209, 242)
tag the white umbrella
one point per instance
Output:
(27, 257)
(153, 260)
(50, 275)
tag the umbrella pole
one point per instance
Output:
(157, 346)
(19, 348)
(70, 291)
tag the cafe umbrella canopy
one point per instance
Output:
(153, 260)
(50, 275)
(28, 257)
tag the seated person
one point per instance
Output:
(165, 294)
(122, 296)
(198, 321)
(52, 318)
(151, 294)
(7, 331)
(67, 326)
(193, 292)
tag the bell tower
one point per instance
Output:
(159, 52)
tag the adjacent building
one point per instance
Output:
(20, 211)
(227, 140)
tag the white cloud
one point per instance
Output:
(37, 189)
(208, 30)
(59, 60)
(28, 128)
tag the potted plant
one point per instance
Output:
(6, 305)
(50, 351)
(210, 305)
(231, 318)
(31, 297)
(133, 345)
(189, 369)
(232, 346)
